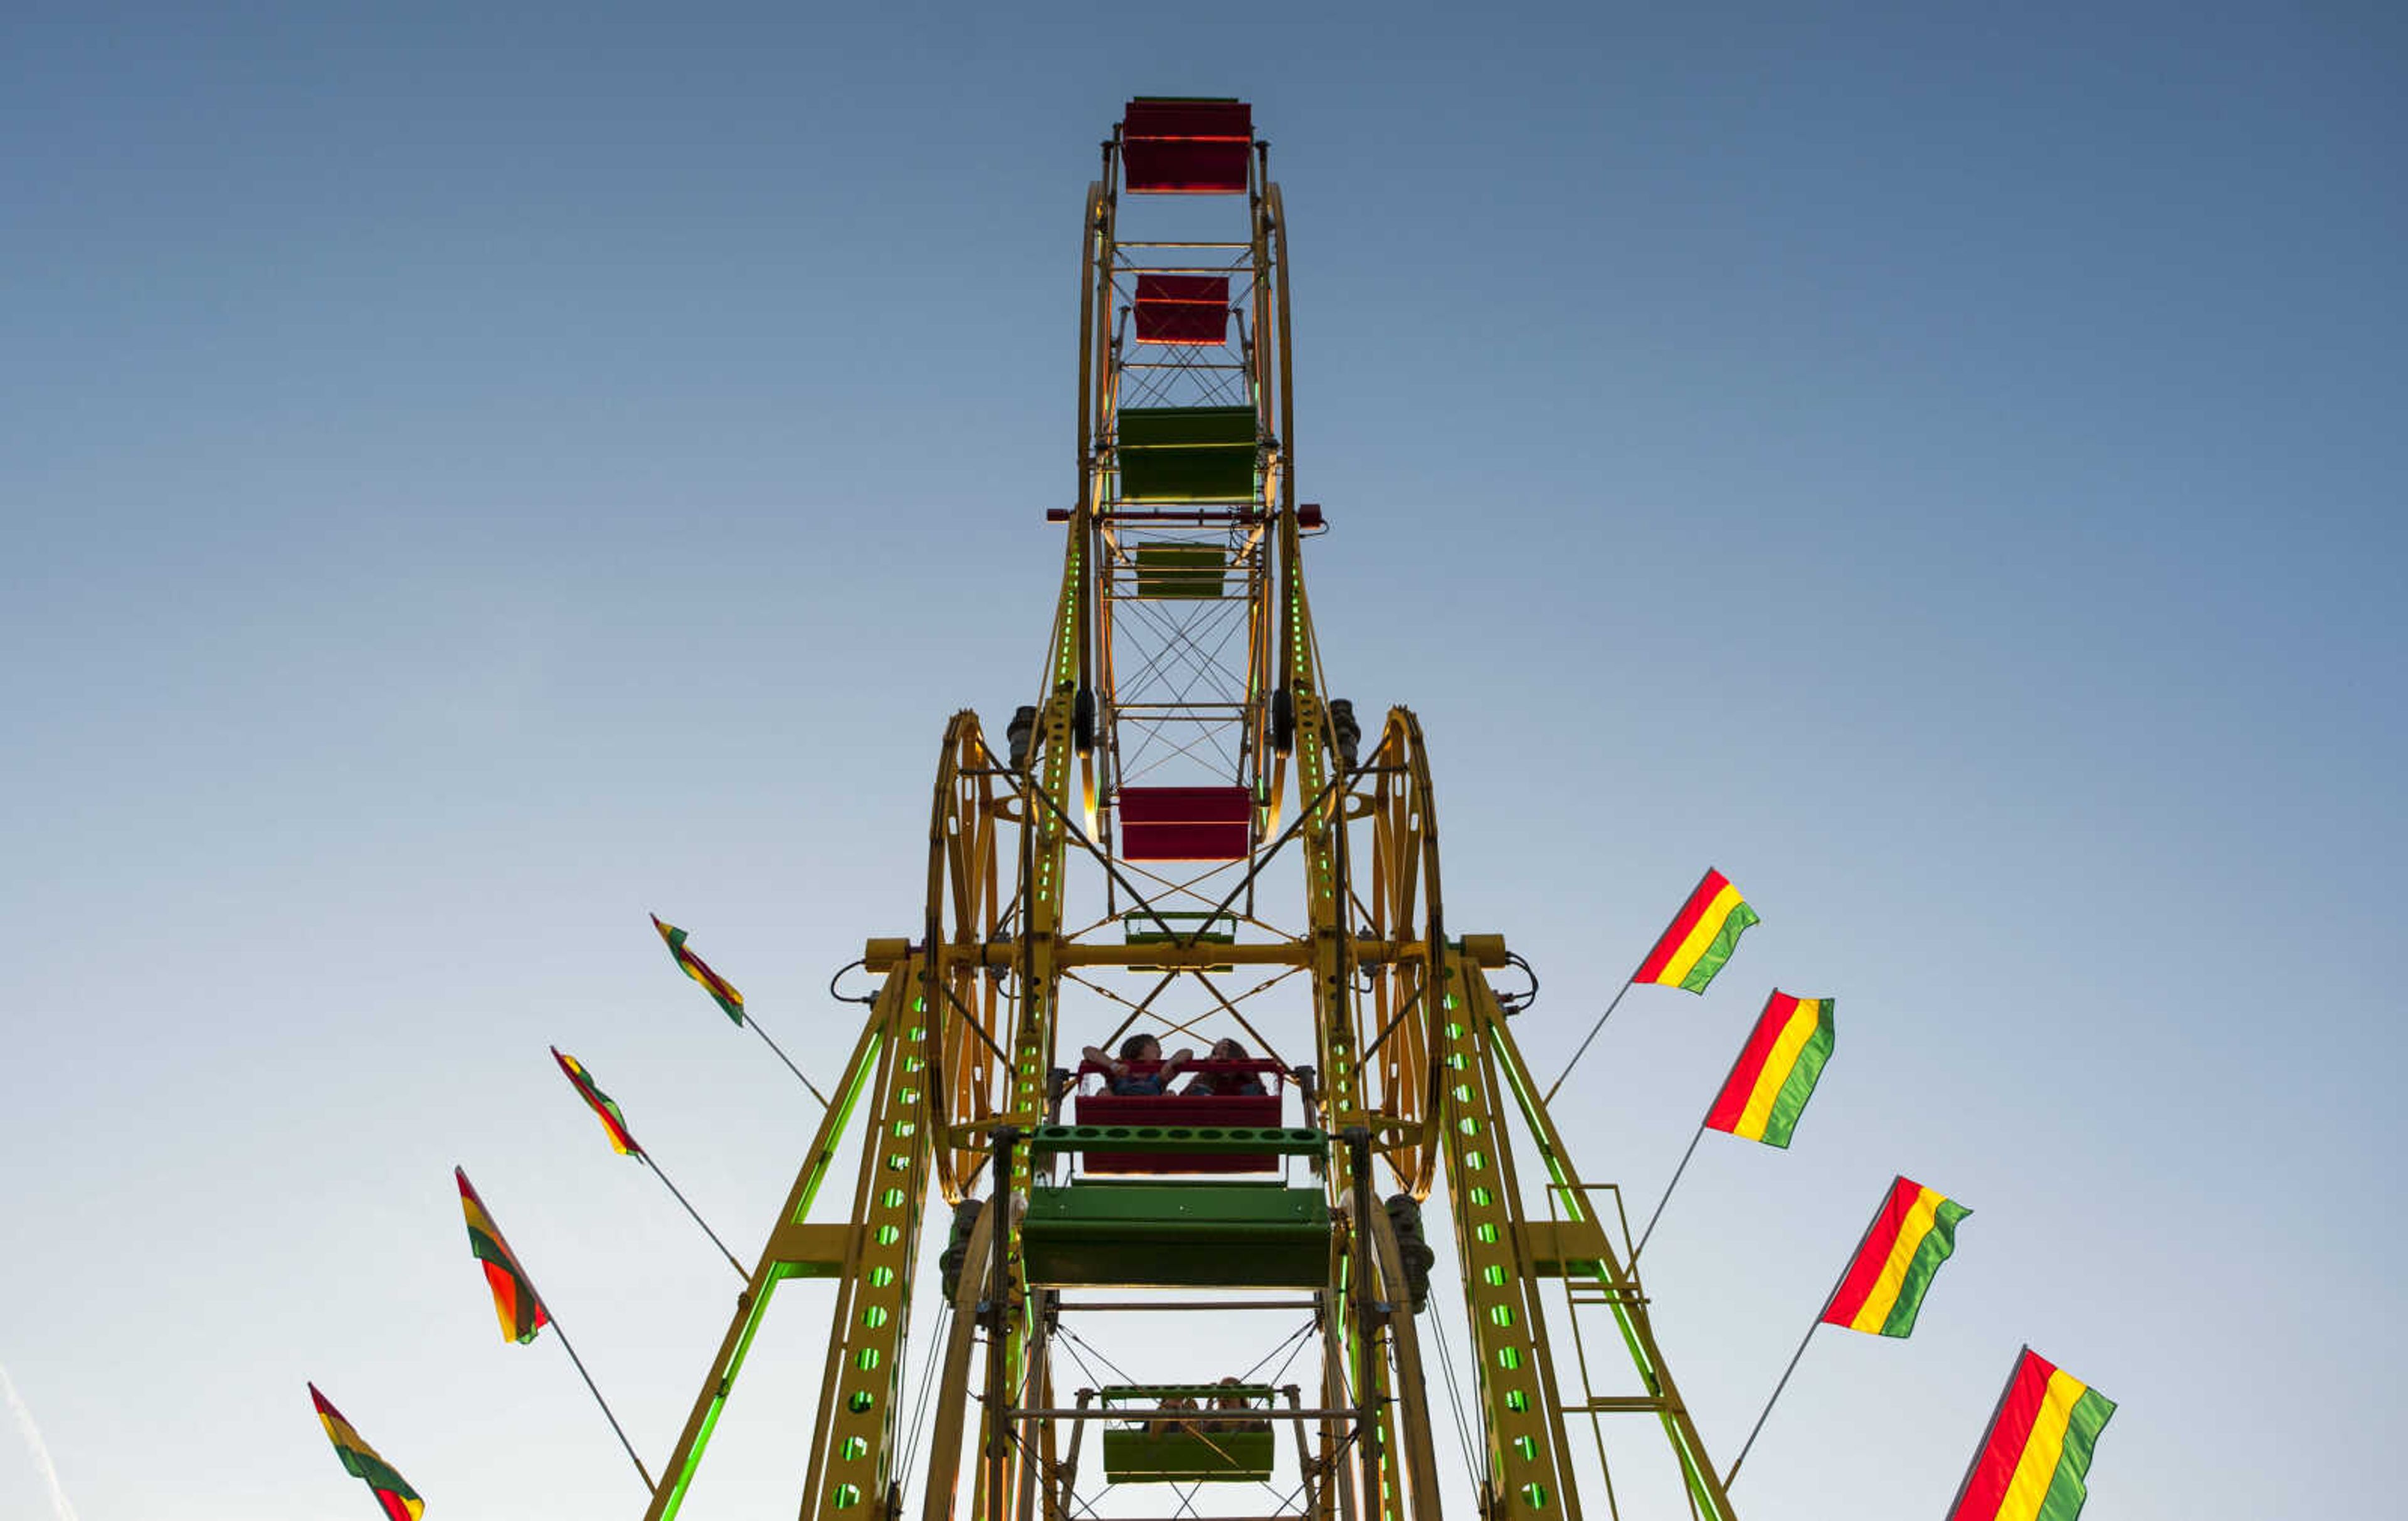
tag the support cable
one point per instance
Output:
(915, 1432)
(1294, 1341)
(1472, 1463)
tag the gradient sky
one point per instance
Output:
(473, 478)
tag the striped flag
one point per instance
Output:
(1701, 938)
(731, 1002)
(2035, 1461)
(1909, 1238)
(613, 1122)
(360, 1460)
(1776, 1071)
(515, 1303)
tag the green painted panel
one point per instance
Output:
(1210, 1455)
(1186, 453)
(1189, 1140)
(1188, 572)
(1146, 926)
(1150, 1235)
(1160, 926)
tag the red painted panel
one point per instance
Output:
(1184, 805)
(1172, 1109)
(1182, 841)
(1182, 308)
(1184, 823)
(1186, 147)
(1159, 117)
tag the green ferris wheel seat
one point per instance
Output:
(1137, 1456)
(1185, 453)
(1108, 1233)
(1210, 1442)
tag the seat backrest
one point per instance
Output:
(1247, 1111)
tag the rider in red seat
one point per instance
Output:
(1225, 1084)
(1140, 1071)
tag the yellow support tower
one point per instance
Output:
(1115, 867)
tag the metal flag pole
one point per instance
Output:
(623, 1141)
(1826, 1310)
(1776, 1397)
(1737, 1057)
(1668, 1193)
(1628, 982)
(755, 1025)
(1996, 1411)
(599, 1399)
(646, 1157)
(730, 1001)
(1632, 981)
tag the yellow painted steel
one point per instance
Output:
(853, 1439)
(793, 1249)
(1527, 1477)
(1614, 1282)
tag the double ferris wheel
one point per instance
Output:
(1185, 836)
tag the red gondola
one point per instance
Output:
(1186, 147)
(1253, 1110)
(1184, 823)
(1182, 308)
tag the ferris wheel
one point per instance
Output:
(1182, 837)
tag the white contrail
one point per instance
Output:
(40, 1449)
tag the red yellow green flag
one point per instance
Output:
(2034, 1463)
(515, 1304)
(613, 1122)
(1701, 938)
(1910, 1238)
(731, 1002)
(1776, 1071)
(360, 1460)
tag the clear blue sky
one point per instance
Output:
(472, 478)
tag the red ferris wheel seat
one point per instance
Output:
(1182, 308)
(1185, 823)
(1171, 147)
(1237, 1110)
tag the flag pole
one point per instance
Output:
(1983, 1445)
(730, 1001)
(623, 1141)
(1628, 982)
(1737, 1057)
(646, 1157)
(1776, 1397)
(1802, 1344)
(755, 1025)
(599, 1399)
(1668, 1193)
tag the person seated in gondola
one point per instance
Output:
(1140, 1071)
(1225, 1084)
(1164, 1426)
(1248, 1419)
